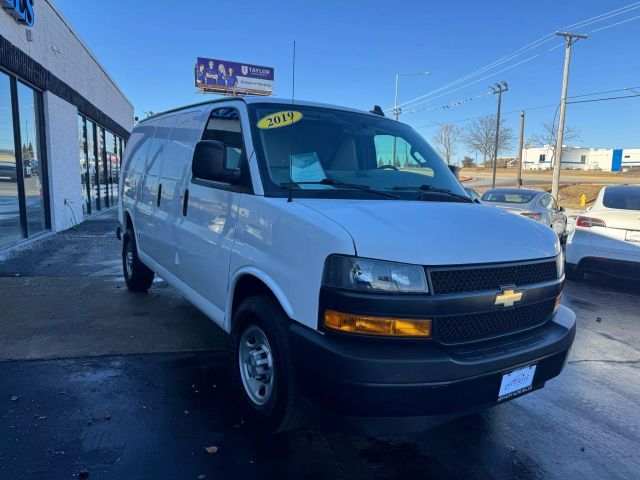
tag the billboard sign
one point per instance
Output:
(221, 76)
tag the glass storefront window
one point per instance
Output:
(111, 162)
(10, 226)
(23, 208)
(85, 178)
(101, 169)
(100, 161)
(93, 175)
(31, 160)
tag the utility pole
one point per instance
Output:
(396, 110)
(498, 89)
(520, 145)
(570, 39)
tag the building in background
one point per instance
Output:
(63, 125)
(580, 158)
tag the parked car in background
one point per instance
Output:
(475, 196)
(8, 171)
(535, 204)
(606, 238)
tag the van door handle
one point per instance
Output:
(159, 195)
(185, 202)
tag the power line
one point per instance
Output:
(614, 24)
(605, 99)
(448, 105)
(538, 107)
(604, 16)
(603, 92)
(476, 73)
(535, 44)
(474, 82)
(468, 99)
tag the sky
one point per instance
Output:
(349, 52)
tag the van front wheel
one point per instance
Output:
(137, 275)
(262, 370)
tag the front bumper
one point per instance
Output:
(414, 384)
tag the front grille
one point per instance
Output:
(469, 328)
(482, 278)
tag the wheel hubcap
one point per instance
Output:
(256, 365)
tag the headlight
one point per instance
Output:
(365, 274)
(560, 263)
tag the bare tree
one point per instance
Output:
(481, 137)
(468, 162)
(549, 136)
(447, 138)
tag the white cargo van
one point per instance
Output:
(353, 273)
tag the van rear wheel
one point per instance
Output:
(262, 370)
(137, 275)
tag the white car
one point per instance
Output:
(606, 238)
(382, 296)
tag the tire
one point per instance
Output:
(262, 370)
(137, 275)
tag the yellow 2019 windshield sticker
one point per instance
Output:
(280, 119)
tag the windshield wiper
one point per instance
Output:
(430, 188)
(337, 183)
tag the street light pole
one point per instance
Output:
(570, 39)
(497, 89)
(396, 110)
(520, 145)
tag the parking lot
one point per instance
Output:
(117, 385)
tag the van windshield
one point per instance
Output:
(331, 153)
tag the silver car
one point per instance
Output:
(535, 204)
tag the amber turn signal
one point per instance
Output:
(557, 304)
(368, 325)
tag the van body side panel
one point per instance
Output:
(133, 168)
(186, 130)
(205, 239)
(289, 243)
(148, 222)
(199, 301)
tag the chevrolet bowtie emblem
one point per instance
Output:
(508, 298)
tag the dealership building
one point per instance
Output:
(581, 158)
(64, 123)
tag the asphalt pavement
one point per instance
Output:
(101, 382)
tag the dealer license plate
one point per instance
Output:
(517, 382)
(632, 236)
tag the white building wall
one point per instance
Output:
(61, 51)
(64, 161)
(571, 158)
(600, 159)
(630, 158)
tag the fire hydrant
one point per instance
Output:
(583, 200)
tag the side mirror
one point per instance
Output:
(210, 163)
(455, 170)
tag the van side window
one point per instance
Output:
(224, 126)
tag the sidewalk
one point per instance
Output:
(64, 296)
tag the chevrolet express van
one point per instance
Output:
(354, 275)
